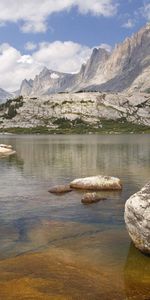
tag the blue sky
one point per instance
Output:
(61, 34)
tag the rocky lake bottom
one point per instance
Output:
(53, 246)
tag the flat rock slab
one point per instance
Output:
(137, 218)
(90, 198)
(60, 189)
(97, 183)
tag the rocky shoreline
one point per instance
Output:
(77, 113)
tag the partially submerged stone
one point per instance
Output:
(60, 189)
(6, 150)
(97, 183)
(5, 146)
(137, 218)
(90, 198)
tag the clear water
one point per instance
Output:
(54, 247)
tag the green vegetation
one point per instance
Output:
(147, 91)
(123, 126)
(87, 91)
(11, 113)
(76, 125)
(66, 102)
(54, 105)
(86, 101)
(64, 126)
(10, 107)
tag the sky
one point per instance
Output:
(61, 34)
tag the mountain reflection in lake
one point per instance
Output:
(53, 247)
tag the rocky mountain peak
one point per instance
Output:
(26, 87)
(44, 72)
(97, 59)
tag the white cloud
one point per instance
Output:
(130, 23)
(106, 8)
(30, 46)
(33, 14)
(15, 67)
(58, 56)
(105, 46)
(146, 11)
(62, 56)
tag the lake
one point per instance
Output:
(54, 247)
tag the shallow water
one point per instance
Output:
(54, 247)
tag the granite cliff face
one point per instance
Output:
(126, 68)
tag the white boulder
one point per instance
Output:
(97, 183)
(137, 218)
(6, 150)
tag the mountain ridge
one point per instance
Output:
(125, 68)
(4, 95)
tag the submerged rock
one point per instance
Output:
(137, 218)
(6, 150)
(60, 189)
(90, 198)
(97, 183)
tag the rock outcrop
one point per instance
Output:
(137, 218)
(97, 183)
(91, 108)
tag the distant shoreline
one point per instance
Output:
(108, 127)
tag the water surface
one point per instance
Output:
(54, 247)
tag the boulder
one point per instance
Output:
(97, 183)
(6, 150)
(137, 218)
(90, 198)
(60, 189)
(5, 146)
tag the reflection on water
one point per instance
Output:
(137, 274)
(68, 250)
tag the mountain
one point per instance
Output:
(49, 81)
(26, 87)
(126, 68)
(4, 95)
(128, 65)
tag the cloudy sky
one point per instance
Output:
(60, 34)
